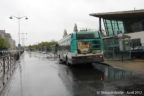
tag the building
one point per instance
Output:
(8, 37)
(128, 23)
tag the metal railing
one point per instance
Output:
(7, 66)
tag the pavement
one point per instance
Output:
(134, 65)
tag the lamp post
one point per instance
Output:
(19, 18)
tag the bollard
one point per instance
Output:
(3, 83)
(8, 63)
(3, 66)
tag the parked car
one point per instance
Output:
(138, 52)
(139, 49)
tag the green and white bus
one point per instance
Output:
(81, 47)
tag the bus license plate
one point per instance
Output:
(90, 57)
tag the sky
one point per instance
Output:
(48, 18)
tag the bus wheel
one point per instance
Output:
(60, 60)
(67, 63)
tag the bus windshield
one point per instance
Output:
(87, 35)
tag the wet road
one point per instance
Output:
(38, 74)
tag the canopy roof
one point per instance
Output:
(132, 14)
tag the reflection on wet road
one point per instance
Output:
(39, 75)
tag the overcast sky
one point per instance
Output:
(48, 18)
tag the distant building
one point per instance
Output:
(2, 33)
(128, 23)
(7, 36)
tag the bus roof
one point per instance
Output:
(86, 32)
(80, 32)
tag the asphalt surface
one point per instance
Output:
(39, 74)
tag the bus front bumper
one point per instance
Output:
(86, 59)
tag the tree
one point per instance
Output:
(75, 28)
(42, 45)
(4, 44)
(65, 33)
(1, 43)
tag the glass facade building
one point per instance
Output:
(128, 23)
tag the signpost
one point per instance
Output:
(19, 46)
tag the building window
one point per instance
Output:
(135, 43)
(121, 26)
(134, 25)
(113, 27)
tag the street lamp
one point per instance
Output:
(19, 18)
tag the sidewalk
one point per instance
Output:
(135, 65)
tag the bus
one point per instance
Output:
(81, 47)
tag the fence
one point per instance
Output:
(7, 66)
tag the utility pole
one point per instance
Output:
(23, 38)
